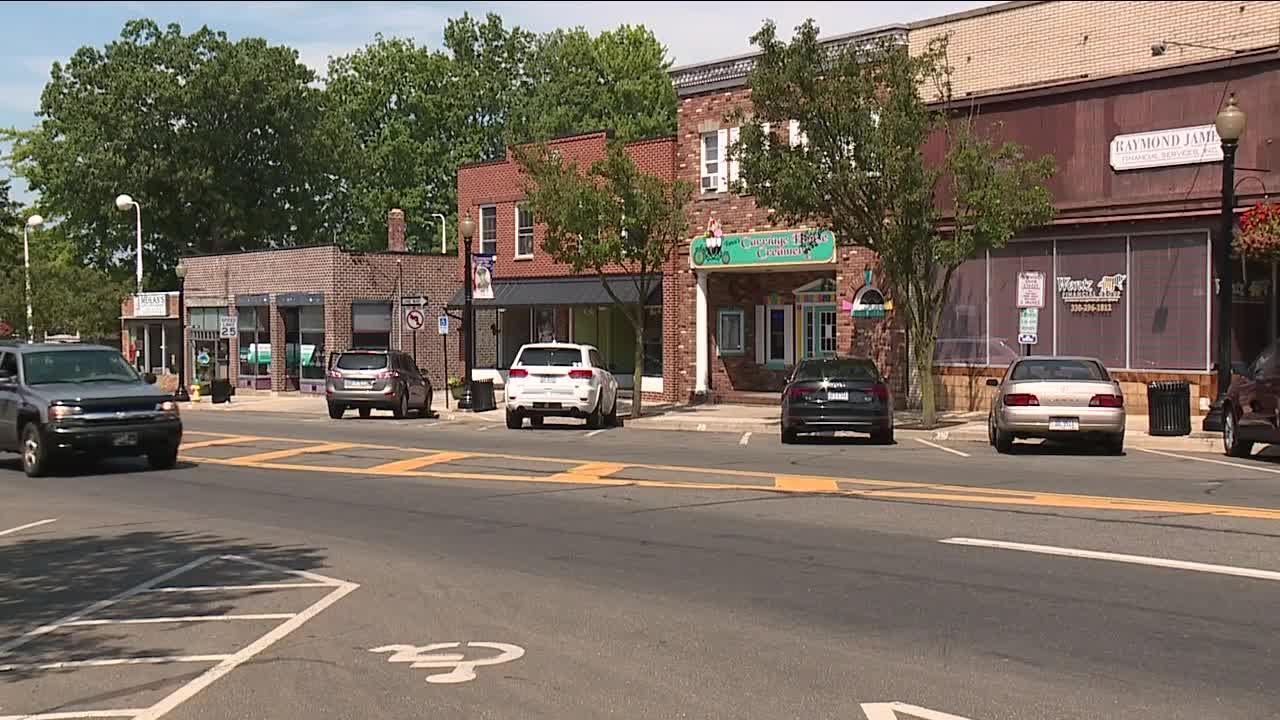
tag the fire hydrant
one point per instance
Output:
(195, 392)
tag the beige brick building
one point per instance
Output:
(1017, 45)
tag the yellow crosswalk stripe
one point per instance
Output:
(291, 452)
(414, 463)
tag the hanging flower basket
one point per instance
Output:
(1259, 235)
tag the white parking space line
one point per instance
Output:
(77, 715)
(110, 662)
(179, 619)
(1118, 557)
(702, 427)
(594, 433)
(746, 438)
(1211, 461)
(221, 588)
(940, 447)
(28, 526)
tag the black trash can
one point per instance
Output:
(221, 391)
(1169, 408)
(482, 399)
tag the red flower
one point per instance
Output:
(1259, 235)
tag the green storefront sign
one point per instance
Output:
(763, 249)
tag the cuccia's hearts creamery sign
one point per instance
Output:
(762, 249)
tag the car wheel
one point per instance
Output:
(35, 454)
(883, 437)
(1231, 442)
(1115, 444)
(163, 457)
(991, 430)
(336, 411)
(536, 422)
(789, 437)
(1003, 441)
(514, 421)
(426, 405)
(366, 412)
(595, 420)
(401, 409)
(611, 419)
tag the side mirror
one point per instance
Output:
(150, 378)
(992, 382)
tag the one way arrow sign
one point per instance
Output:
(897, 710)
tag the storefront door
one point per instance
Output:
(818, 331)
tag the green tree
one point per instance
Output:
(217, 140)
(606, 219)
(393, 134)
(488, 81)
(10, 228)
(616, 80)
(862, 169)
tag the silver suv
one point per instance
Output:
(369, 380)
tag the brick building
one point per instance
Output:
(537, 299)
(294, 307)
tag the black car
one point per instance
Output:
(59, 400)
(832, 394)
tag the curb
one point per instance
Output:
(1132, 439)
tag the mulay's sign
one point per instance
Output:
(1164, 148)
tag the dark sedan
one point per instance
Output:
(837, 394)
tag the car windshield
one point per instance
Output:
(77, 366)
(551, 357)
(362, 361)
(842, 369)
(1055, 369)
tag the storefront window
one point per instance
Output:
(1167, 283)
(311, 324)
(962, 325)
(371, 325)
(255, 340)
(777, 334)
(545, 324)
(653, 341)
(730, 336)
(1092, 293)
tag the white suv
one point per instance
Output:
(560, 380)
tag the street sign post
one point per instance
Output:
(414, 319)
(1031, 289)
(1028, 328)
(442, 324)
(227, 327)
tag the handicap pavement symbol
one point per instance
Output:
(426, 656)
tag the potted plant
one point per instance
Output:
(1259, 235)
(455, 387)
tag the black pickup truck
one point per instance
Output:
(58, 401)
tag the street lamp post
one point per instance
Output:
(468, 229)
(181, 395)
(33, 222)
(1230, 123)
(124, 203)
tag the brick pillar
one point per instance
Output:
(396, 231)
(278, 340)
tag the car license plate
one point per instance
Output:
(359, 384)
(125, 439)
(1064, 424)
(838, 396)
(549, 379)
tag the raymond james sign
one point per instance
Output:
(1085, 295)
(752, 250)
(1162, 148)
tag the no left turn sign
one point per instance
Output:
(414, 319)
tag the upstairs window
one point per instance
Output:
(524, 231)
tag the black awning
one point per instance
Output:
(584, 290)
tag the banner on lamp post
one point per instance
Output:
(482, 277)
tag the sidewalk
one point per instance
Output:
(954, 427)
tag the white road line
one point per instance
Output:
(314, 577)
(28, 526)
(942, 448)
(257, 586)
(746, 438)
(30, 635)
(109, 662)
(179, 619)
(1211, 461)
(78, 715)
(182, 694)
(594, 433)
(702, 427)
(1118, 557)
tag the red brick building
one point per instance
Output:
(537, 299)
(290, 309)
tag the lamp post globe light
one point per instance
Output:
(181, 395)
(33, 222)
(1230, 123)
(467, 229)
(124, 203)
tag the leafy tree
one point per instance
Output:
(862, 169)
(393, 132)
(488, 82)
(216, 139)
(616, 80)
(608, 218)
(10, 228)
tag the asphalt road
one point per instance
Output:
(309, 591)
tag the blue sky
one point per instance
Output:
(35, 34)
